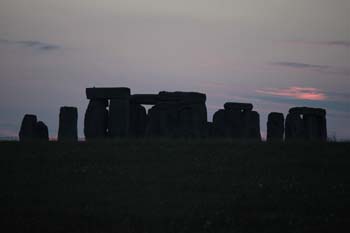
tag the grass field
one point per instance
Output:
(174, 186)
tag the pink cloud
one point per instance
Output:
(302, 93)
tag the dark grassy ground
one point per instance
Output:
(174, 186)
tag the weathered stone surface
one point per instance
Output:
(96, 119)
(28, 128)
(41, 131)
(238, 106)
(138, 120)
(275, 126)
(108, 93)
(186, 97)
(147, 99)
(119, 118)
(308, 111)
(68, 119)
(294, 127)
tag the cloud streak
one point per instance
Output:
(330, 43)
(36, 45)
(325, 69)
(301, 93)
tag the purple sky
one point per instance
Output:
(275, 54)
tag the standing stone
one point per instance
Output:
(138, 120)
(68, 129)
(275, 126)
(41, 131)
(235, 122)
(304, 123)
(219, 125)
(323, 126)
(119, 118)
(294, 128)
(28, 128)
(315, 128)
(119, 111)
(192, 120)
(96, 119)
(251, 124)
(163, 120)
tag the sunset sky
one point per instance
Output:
(275, 54)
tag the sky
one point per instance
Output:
(276, 54)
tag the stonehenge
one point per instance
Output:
(32, 130)
(237, 121)
(68, 120)
(116, 113)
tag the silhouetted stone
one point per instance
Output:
(96, 119)
(138, 120)
(275, 126)
(68, 119)
(235, 123)
(108, 93)
(162, 120)
(315, 127)
(238, 106)
(178, 96)
(219, 125)
(294, 129)
(308, 111)
(178, 114)
(28, 128)
(32, 130)
(41, 131)
(251, 129)
(192, 120)
(148, 99)
(119, 117)
(306, 123)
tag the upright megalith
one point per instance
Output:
(68, 120)
(28, 128)
(108, 113)
(119, 118)
(119, 112)
(275, 126)
(31, 129)
(96, 119)
(251, 125)
(42, 131)
(303, 123)
(238, 121)
(138, 120)
(178, 114)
